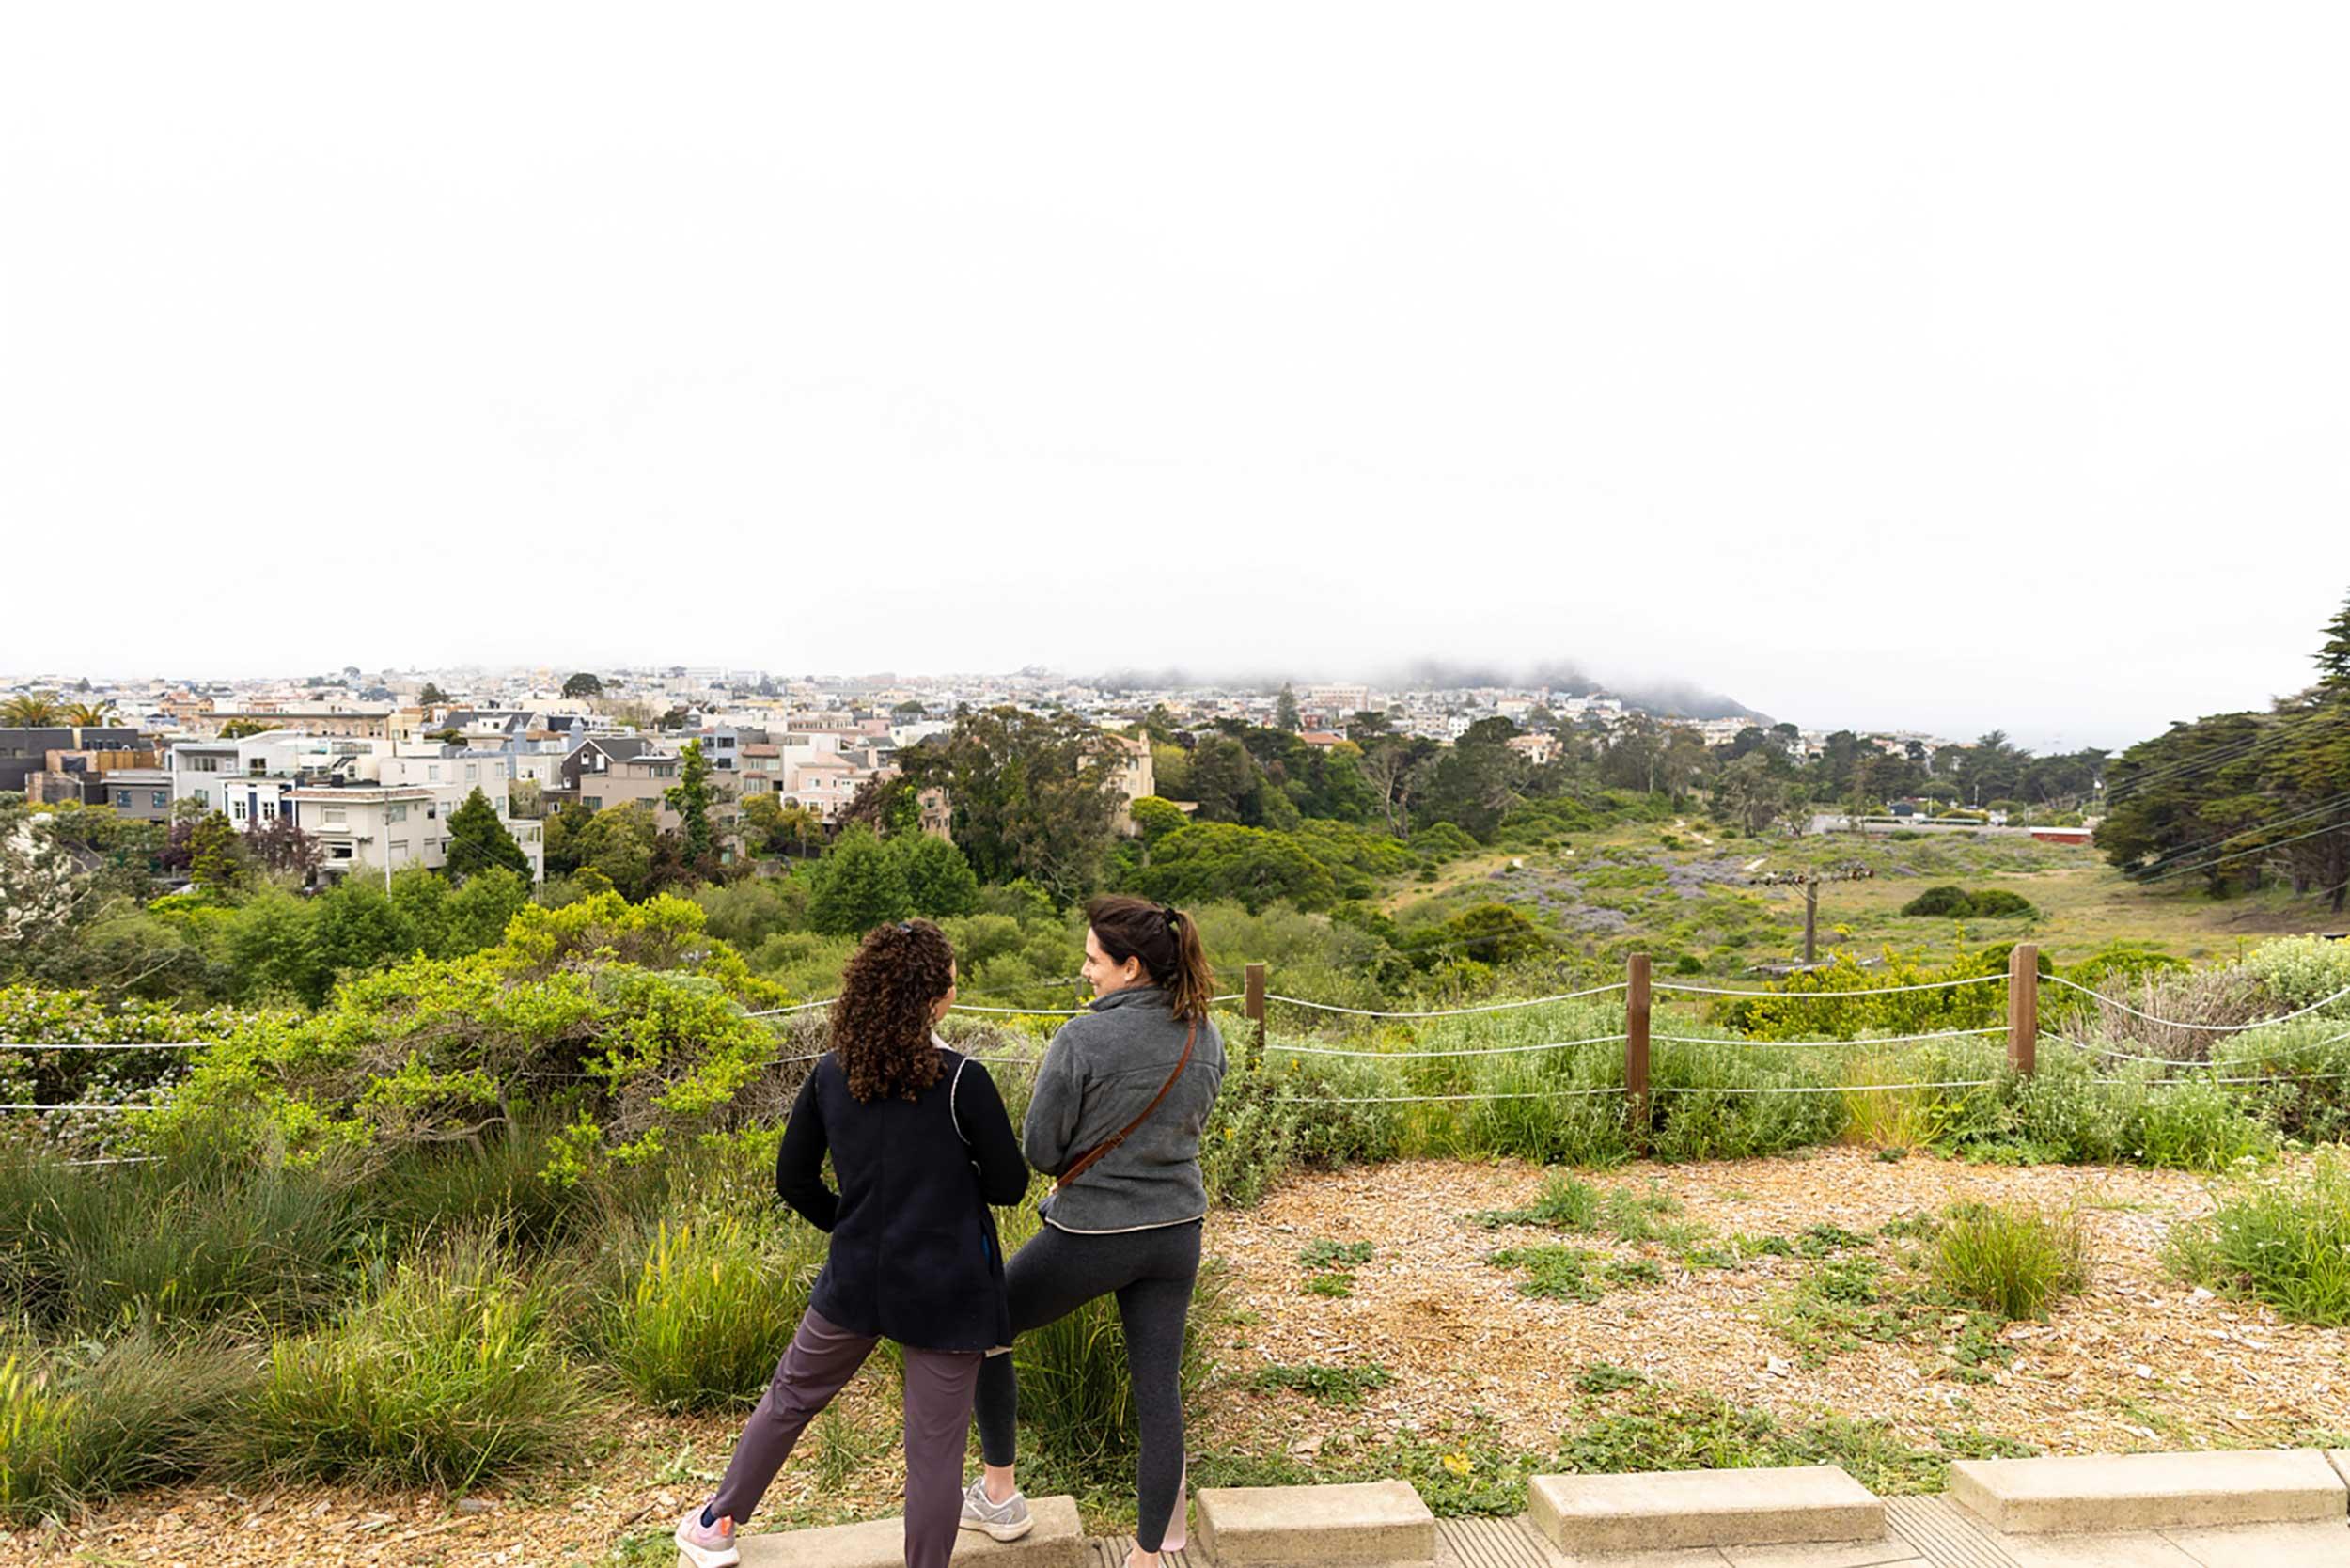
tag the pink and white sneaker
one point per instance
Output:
(707, 1545)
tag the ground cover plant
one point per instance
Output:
(2278, 1239)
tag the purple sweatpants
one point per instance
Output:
(819, 1365)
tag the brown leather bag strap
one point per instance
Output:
(1096, 1153)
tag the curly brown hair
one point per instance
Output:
(881, 1023)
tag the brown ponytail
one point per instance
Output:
(1165, 941)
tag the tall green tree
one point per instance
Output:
(1285, 711)
(478, 840)
(690, 798)
(583, 684)
(939, 881)
(2333, 658)
(1031, 795)
(861, 884)
(431, 696)
(216, 855)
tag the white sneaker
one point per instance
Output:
(1007, 1520)
(707, 1545)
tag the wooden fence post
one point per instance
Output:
(2023, 1008)
(1253, 1004)
(1635, 1006)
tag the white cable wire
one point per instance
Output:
(796, 1007)
(126, 1159)
(1024, 1011)
(1436, 1099)
(1837, 995)
(1449, 1011)
(1823, 1044)
(1423, 1056)
(2288, 1054)
(2177, 1023)
(109, 1045)
(1822, 1089)
(81, 1107)
(2180, 1083)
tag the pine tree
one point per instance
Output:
(862, 885)
(1285, 711)
(2333, 660)
(478, 840)
(431, 696)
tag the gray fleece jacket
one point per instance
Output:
(1100, 1071)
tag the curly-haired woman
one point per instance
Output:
(1121, 1099)
(921, 1145)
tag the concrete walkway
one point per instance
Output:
(1925, 1532)
(2243, 1508)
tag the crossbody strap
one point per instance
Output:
(1085, 1161)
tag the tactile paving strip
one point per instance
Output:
(1946, 1535)
(1492, 1544)
(1111, 1552)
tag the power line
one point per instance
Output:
(2257, 849)
(2319, 810)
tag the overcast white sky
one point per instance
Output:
(1879, 365)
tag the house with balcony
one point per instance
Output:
(248, 781)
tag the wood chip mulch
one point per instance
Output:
(2139, 1361)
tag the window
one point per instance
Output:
(269, 810)
(336, 815)
(237, 810)
(397, 811)
(123, 799)
(161, 800)
(339, 852)
(400, 848)
(432, 772)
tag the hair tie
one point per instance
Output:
(1168, 913)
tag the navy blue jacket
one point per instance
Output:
(913, 1255)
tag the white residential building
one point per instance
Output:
(400, 818)
(248, 781)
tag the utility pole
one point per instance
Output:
(1810, 881)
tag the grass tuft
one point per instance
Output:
(2014, 1260)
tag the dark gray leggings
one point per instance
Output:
(1151, 1273)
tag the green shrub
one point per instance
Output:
(1700, 1113)
(89, 1422)
(2014, 1260)
(2302, 971)
(1284, 1118)
(1945, 901)
(449, 1372)
(1999, 903)
(2190, 1124)
(174, 1243)
(706, 1314)
(2282, 1237)
(35, 1431)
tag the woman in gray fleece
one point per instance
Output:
(1128, 1223)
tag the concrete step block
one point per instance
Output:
(1680, 1509)
(2150, 1491)
(1380, 1524)
(1057, 1542)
